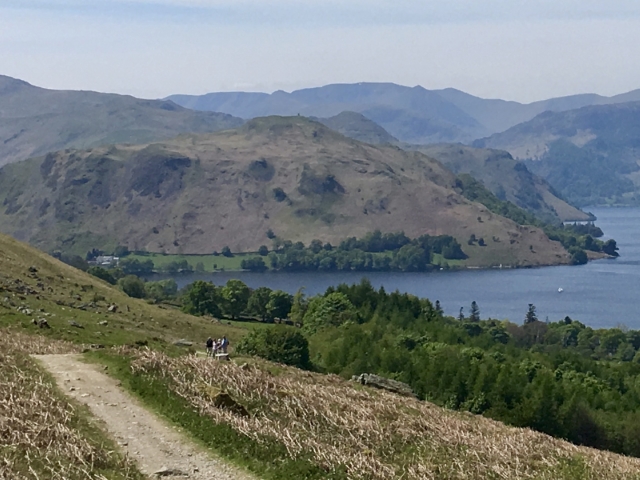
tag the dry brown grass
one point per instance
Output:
(376, 434)
(43, 436)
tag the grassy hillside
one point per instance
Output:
(590, 155)
(35, 121)
(198, 193)
(506, 178)
(60, 294)
(319, 426)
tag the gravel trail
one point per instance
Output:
(158, 448)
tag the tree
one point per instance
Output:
(226, 251)
(474, 316)
(461, 314)
(279, 344)
(270, 234)
(279, 304)
(236, 297)
(132, 286)
(133, 266)
(103, 274)
(161, 290)
(531, 316)
(315, 246)
(438, 308)
(263, 251)
(333, 309)
(121, 251)
(258, 302)
(254, 264)
(610, 247)
(298, 306)
(199, 267)
(202, 298)
(578, 256)
(411, 258)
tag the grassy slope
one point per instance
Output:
(305, 425)
(64, 289)
(197, 194)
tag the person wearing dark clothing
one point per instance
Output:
(209, 347)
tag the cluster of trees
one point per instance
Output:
(374, 252)
(136, 287)
(234, 300)
(562, 378)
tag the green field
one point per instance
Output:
(211, 263)
(220, 263)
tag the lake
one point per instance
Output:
(599, 294)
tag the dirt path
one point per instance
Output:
(149, 441)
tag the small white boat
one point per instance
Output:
(560, 290)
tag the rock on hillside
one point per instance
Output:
(35, 121)
(199, 193)
(508, 179)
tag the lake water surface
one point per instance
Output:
(603, 293)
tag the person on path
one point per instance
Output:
(209, 347)
(224, 344)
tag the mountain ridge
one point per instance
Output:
(590, 154)
(35, 121)
(412, 114)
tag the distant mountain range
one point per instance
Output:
(410, 114)
(590, 154)
(293, 176)
(34, 121)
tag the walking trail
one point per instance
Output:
(158, 449)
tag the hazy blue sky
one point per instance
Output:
(523, 50)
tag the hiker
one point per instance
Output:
(224, 343)
(209, 347)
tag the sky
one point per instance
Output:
(523, 50)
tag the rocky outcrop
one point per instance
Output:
(383, 383)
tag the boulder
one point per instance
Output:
(112, 308)
(226, 402)
(183, 343)
(376, 381)
(75, 324)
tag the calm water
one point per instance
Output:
(603, 293)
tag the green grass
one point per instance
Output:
(211, 263)
(268, 459)
(62, 294)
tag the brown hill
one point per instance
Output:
(35, 121)
(198, 193)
